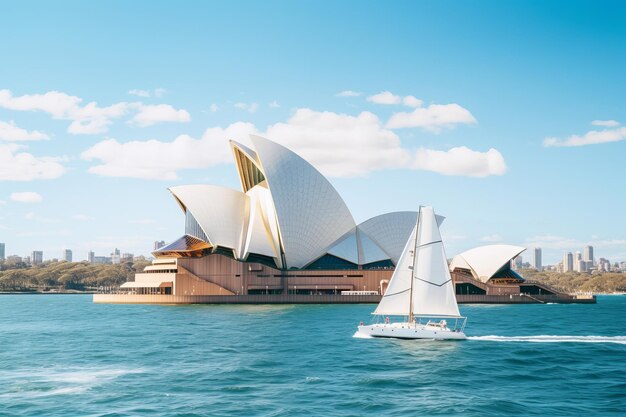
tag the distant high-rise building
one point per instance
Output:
(604, 265)
(588, 254)
(115, 256)
(91, 257)
(2, 258)
(102, 260)
(158, 244)
(568, 262)
(36, 257)
(537, 259)
(67, 255)
(580, 265)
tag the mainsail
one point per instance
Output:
(433, 290)
(424, 262)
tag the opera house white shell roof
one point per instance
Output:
(485, 261)
(288, 211)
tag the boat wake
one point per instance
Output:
(552, 339)
(359, 335)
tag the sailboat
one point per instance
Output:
(420, 291)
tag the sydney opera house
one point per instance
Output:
(287, 232)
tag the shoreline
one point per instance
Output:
(47, 292)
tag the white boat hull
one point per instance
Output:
(411, 331)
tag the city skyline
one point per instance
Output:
(87, 152)
(586, 257)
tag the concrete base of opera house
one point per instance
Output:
(326, 299)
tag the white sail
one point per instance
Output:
(397, 298)
(433, 289)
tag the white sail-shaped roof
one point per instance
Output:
(260, 238)
(346, 248)
(311, 214)
(369, 250)
(485, 261)
(357, 248)
(391, 230)
(397, 297)
(219, 211)
(433, 289)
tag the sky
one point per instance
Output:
(507, 117)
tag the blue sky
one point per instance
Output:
(507, 117)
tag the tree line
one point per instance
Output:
(68, 276)
(576, 282)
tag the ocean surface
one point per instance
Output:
(61, 355)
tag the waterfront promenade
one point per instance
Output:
(326, 299)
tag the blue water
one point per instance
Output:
(62, 355)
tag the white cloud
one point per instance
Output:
(274, 104)
(155, 159)
(9, 131)
(553, 242)
(492, 238)
(452, 237)
(593, 137)
(412, 101)
(433, 118)
(58, 104)
(252, 107)
(139, 93)
(90, 119)
(214, 108)
(23, 166)
(348, 93)
(605, 123)
(341, 145)
(385, 97)
(157, 92)
(149, 115)
(27, 197)
(461, 161)
(87, 119)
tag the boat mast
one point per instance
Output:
(417, 233)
